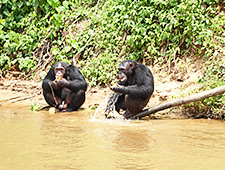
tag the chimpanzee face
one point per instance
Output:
(59, 71)
(125, 70)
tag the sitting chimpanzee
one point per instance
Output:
(64, 87)
(135, 88)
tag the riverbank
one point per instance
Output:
(167, 87)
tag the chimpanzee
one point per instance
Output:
(64, 87)
(136, 86)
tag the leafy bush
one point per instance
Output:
(36, 33)
(100, 70)
(158, 31)
(30, 28)
(214, 76)
(159, 28)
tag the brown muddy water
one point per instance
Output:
(77, 141)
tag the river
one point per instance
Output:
(76, 141)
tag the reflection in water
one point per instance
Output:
(34, 141)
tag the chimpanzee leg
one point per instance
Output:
(134, 104)
(75, 100)
(120, 104)
(50, 99)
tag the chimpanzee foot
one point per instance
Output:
(63, 106)
(69, 110)
(66, 110)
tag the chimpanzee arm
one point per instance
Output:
(49, 78)
(77, 80)
(136, 91)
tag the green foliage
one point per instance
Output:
(159, 30)
(214, 76)
(35, 107)
(100, 70)
(156, 30)
(25, 24)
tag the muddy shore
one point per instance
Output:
(167, 88)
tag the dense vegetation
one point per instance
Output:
(213, 107)
(96, 35)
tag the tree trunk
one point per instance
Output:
(178, 102)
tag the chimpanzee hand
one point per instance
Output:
(116, 88)
(54, 85)
(62, 82)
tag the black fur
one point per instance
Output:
(71, 90)
(136, 90)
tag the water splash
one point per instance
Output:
(107, 107)
(101, 108)
(110, 111)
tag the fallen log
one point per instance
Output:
(178, 102)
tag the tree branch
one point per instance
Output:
(178, 102)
